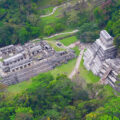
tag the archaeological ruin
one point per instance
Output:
(19, 63)
(101, 59)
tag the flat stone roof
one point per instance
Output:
(7, 47)
(36, 48)
(13, 58)
(105, 34)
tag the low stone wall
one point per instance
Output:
(67, 36)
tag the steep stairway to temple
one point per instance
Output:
(103, 79)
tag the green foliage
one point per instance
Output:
(87, 75)
(99, 15)
(21, 20)
(2, 13)
(59, 27)
(108, 16)
(23, 110)
(48, 30)
(77, 51)
(109, 111)
(59, 98)
(88, 32)
(23, 35)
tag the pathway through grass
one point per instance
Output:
(46, 10)
(64, 69)
(54, 46)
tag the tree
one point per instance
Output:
(48, 30)
(52, 114)
(59, 27)
(72, 18)
(2, 13)
(23, 35)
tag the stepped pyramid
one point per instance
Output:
(101, 50)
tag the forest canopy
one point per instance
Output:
(57, 99)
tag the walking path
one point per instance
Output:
(74, 31)
(74, 44)
(68, 47)
(54, 10)
(77, 64)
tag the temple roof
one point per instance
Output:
(7, 47)
(105, 34)
(36, 48)
(13, 58)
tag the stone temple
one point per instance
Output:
(19, 63)
(101, 59)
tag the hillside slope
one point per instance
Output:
(20, 20)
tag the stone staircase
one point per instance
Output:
(106, 74)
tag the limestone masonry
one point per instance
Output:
(19, 63)
(101, 59)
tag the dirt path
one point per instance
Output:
(76, 68)
(54, 10)
(74, 31)
(74, 44)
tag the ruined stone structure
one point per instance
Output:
(23, 62)
(109, 71)
(101, 59)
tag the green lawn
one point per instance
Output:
(18, 88)
(87, 75)
(21, 87)
(1, 60)
(77, 51)
(64, 69)
(69, 40)
(109, 91)
(54, 46)
(60, 37)
(52, 18)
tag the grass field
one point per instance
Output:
(18, 88)
(1, 60)
(64, 69)
(77, 51)
(60, 37)
(109, 91)
(54, 46)
(52, 18)
(87, 75)
(69, 40)
(21, 87)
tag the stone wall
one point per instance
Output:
(33, 70)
